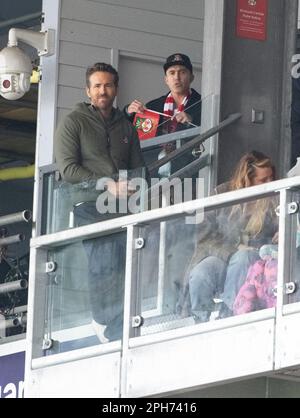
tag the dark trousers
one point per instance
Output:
(106, 271)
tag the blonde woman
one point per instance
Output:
(229, 240)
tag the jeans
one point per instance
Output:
(237, 270)
(106, 270)
(206, 280)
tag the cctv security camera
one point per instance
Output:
(15, 72)
(15, 65)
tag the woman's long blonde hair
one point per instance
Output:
(242, 177)
(246, 169)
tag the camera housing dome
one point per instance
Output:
(15, 72)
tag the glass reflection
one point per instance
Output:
(85, 294)
(224, 266)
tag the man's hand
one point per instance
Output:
(119, 189)
(136, 107)
(183, 117)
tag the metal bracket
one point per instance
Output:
(290, 288)
(198, 151)
(137, 321)
(47, 343)
(43, 41)
(293, 208)
(51, 266)
(139, 243)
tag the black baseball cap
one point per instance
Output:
(178, 59)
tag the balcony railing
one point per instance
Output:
(147, 257)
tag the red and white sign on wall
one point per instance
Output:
(252, 19)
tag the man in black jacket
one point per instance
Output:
(182, 107)
(182, 102)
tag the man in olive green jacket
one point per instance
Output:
(96, 140)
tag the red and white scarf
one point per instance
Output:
(169, 109)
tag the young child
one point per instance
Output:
(258, 291)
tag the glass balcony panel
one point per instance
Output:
(226, 265)
(68, 205)
(162, 263)
(85, 293)
(60, 198)
(62, 201)
(292, 261)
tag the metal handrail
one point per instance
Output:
(192, 168)
(195, 142)
(172, 137)
(163, 139)
(162, 214)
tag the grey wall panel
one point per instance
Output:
(200, 359)
(70, 76)
(155, 45)
(133, 20)
(67, 380)
(190, 8)
(279, 388)
(69, 96)
(140, 87)
(74, 54)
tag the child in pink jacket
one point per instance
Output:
(258, 291)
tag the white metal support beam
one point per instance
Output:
(211, 76)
